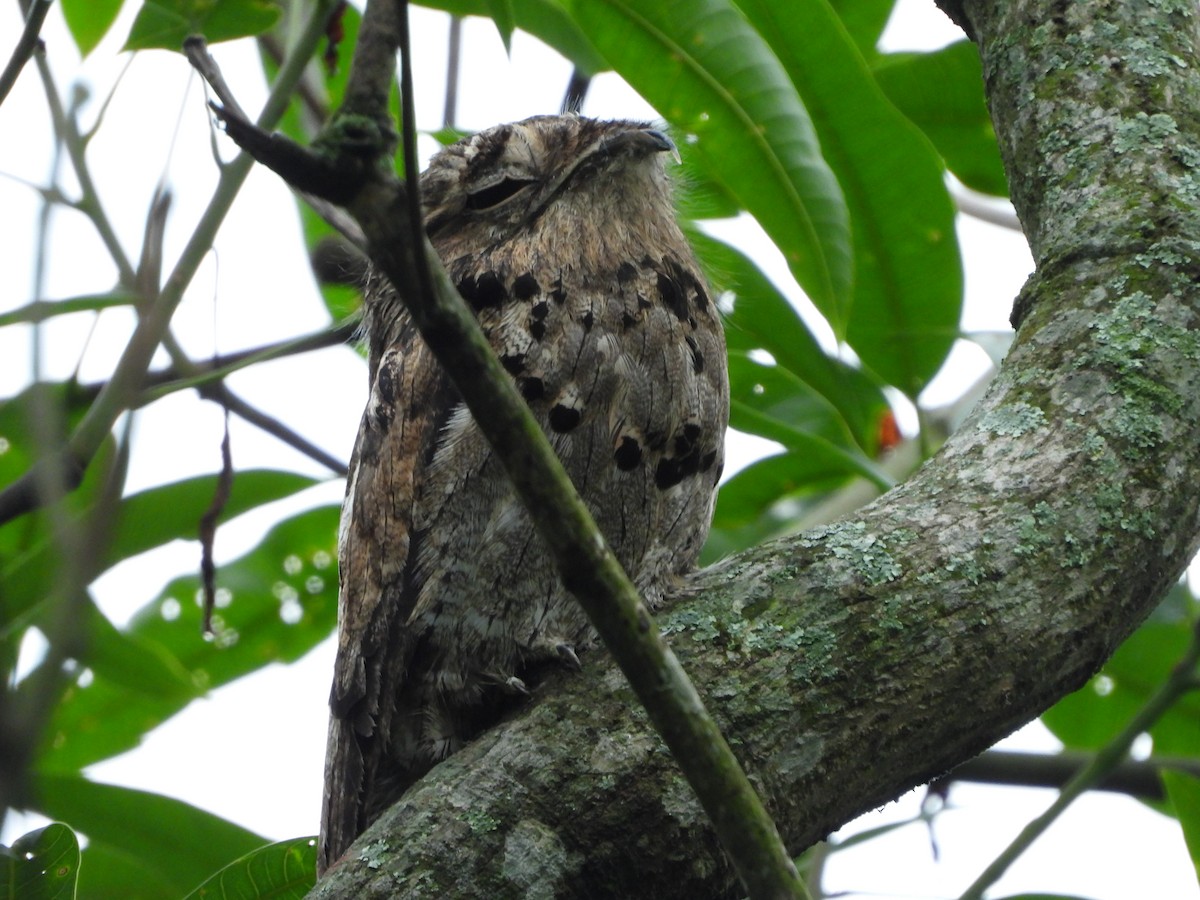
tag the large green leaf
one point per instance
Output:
(108, 871)
(132, 661)
(762, 318)
(544, 19)
(275, 604)
(942, 94)
(143, 521)
(907, 272)
(165, 24)
(179, 843)
(281, 871)
(1184, 793)
(864, 21)
(710, 74)
(42, 864)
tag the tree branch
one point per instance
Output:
(1137, 778)
(860, 659)
(35, 15)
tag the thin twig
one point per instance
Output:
(1103, 763)
(27, 44)
(453, 56)
(161, 383)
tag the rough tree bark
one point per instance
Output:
(852, 662)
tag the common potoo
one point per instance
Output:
(560, 233)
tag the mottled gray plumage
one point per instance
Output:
(560, 233)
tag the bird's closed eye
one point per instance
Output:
(495, 194)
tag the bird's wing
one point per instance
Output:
(377, 546)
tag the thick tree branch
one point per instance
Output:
(860, 659)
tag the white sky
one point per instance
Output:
(244, 754)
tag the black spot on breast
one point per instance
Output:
(668, 474)
(643, 303)
(540, 311)
(701, 299)
(627, 320)
(514, 363)
(588, 320)
(697, 356)
(564, 418)
(671, 293)
(526, 286)
(558, 294)
(532, 388)
(628, 454)
(538, 329)
(707, 460)
(626, 272)
(482, 291)
(685, 441)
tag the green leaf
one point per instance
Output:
(762, 318)
(1093, 715)
(712, 76)
(159, 515)
(107, 871)
(942, 94)
(544, 19)
(753, 490)
(907, 272)
(165, 24)
(1184, 793)
(89, 21)
(145, 520)
(503, 15)
(274, 605)
(283, 870)
(180, 844)
(42, 864)
(864, 21)
(132, 661)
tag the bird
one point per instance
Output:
(560, 232)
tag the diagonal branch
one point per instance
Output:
(27, 44)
